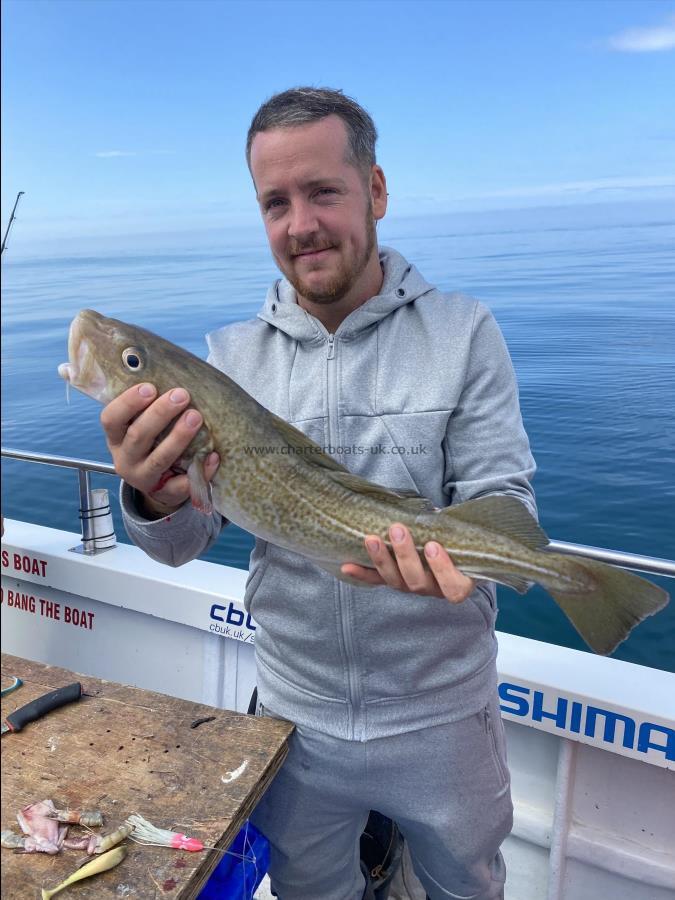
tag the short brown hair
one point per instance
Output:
(302, 105)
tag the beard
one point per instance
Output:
(347, 274)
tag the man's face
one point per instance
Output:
(318, 211)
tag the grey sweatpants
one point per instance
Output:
(446, 787)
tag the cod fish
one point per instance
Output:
(299, 498)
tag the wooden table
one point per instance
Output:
(123, 750)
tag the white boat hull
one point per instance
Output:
(591, 741)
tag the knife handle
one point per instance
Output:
(44, 704)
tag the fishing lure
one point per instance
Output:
(101, 864)
(145, 832)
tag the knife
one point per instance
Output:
(42, 705)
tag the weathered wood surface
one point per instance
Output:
(124, 750)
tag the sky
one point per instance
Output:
(129, 117)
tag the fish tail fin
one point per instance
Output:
(605, 613)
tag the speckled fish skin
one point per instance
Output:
(294, 495)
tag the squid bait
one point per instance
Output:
(145, 832)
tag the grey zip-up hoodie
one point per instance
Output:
(415, 390)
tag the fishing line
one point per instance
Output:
(248, 844)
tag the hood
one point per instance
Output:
(402, 284)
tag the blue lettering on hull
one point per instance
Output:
(571, 716)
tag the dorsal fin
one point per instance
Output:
(503, 514)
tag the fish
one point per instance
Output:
(101, 864)
(298, 497)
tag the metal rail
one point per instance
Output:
(67, 462)
(654, 565)
(637, 562)
(91, 542)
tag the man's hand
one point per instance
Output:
(404, 571)
(132, 424)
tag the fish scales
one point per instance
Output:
(285, 501)
(297, 497)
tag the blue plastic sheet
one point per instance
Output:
(241, 869)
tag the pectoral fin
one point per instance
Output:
(200, 488)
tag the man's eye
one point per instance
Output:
(274, 204)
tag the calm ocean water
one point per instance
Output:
(587, 309)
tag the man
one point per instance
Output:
(393, 690)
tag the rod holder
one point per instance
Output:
(98, 531)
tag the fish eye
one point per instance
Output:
(131, 357)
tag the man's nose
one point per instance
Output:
(302, 221)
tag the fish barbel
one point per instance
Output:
(296, 496)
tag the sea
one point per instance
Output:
(585, 297)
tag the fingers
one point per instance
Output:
(167, 499)
(368, 576)
(404, 570)
(454, 585)
(173, 489)
(134, 421)
(211, 464)
(117, 415)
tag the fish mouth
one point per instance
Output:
(82, 371)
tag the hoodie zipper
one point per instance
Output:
(343, 594)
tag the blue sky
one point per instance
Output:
(130, 116)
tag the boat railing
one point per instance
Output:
(92, 510)
(98, 534)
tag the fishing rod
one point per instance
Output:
(11, 219)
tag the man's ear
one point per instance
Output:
(378, 192)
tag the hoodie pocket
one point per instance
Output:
(482, 599)
(497, 742)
